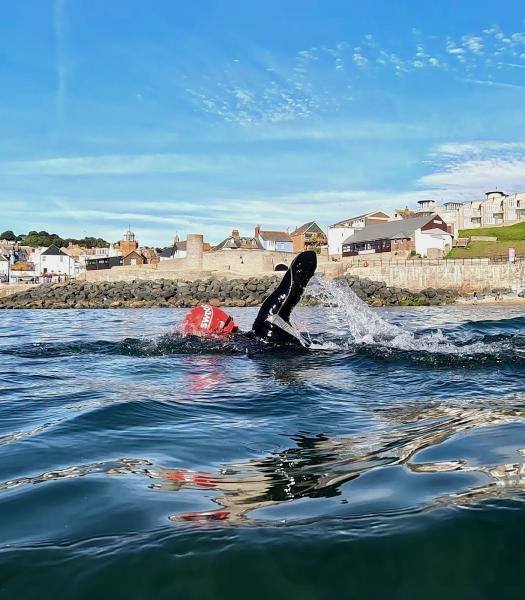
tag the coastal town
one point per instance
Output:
(427, 231)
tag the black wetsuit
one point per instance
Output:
(268, 326)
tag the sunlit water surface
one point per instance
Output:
(386, 462)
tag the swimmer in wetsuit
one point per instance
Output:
(272, 324)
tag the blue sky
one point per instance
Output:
(203, 116)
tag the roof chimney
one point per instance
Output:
(257, 230)
(235, 233)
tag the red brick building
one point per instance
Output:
(308, 237)
(129, 243)
(133, 259)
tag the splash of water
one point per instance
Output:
(365, 326)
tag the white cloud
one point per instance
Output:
(349, 130)
(156, 222)
(359, 59)
(473, 167)
(479, 175)
(109, 165)
(478, 147)
(490, 82)
(457, 149)
(473, 43)
(453, 49)
(123, 217)
(511, 65)
(301, 86)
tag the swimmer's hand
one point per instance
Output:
(285, 326)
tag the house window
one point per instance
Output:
(133, 261)
(61, 259)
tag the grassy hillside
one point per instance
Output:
(511, 232)
(512, 236)
(483, 249)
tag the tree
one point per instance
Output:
(8, 235)
(43, 238)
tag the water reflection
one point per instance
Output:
(318, 466)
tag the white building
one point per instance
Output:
(23, 272)
(425, 235)
(177, 250)
(54, 263)
(497, 208)
(4, 268)
(32, 253)
(339, 232)
(275, 241)
(450, 213)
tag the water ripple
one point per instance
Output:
(124, 447)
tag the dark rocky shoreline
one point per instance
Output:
(165, 293)
(377, 293)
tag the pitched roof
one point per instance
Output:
(169, 251)
(73, 250)
(2, 257)
(246, 243)
(345, 222)
(276, 236)
(149, 253)
(402, 228)
(406, 213)
(306, 227)
(23, 266)
(166, 252)
(53, 251)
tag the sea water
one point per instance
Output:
(388, 461)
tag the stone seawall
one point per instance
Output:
(14, 288)
(218, 292)
(454, 274)
(142, 273)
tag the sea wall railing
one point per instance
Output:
(378, 260)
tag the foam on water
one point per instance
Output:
(366, 327)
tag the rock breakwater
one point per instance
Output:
(164, 293)
(145, 294)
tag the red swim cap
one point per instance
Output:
(208, 320)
